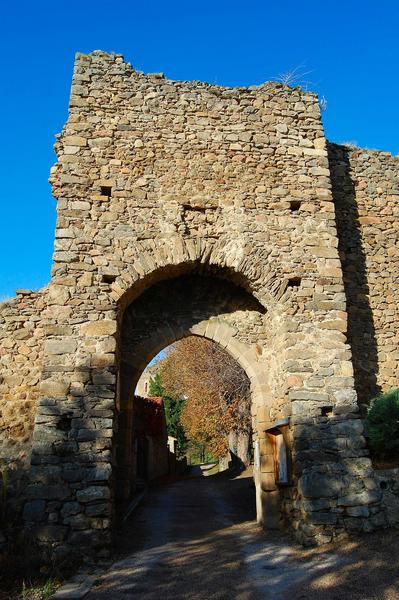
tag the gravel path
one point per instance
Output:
(196, 539)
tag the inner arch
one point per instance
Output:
(190, 304)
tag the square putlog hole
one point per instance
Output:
(108, 278)
(106, 190)
(326, 411)
(294, 282)
(295, 205)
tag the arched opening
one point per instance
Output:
(192, 405)
(192, 304)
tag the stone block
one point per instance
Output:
(323, 518)
(345, 398)
(53, 388)
(320, 485)
(93, 493)
(362, 498)
(102, 360)
(316, 504)
(50, 533)
(63, 346)
(266, 463)
(98, 510)
(268, 482)
(58, 294)
(74, 140)
(308, 395)
(77, 522)
(72, 473)
(48, 492)
(104, 377)
(70, 508)
(358, 511)
(102, 473)
(34, 510)
(350, 427)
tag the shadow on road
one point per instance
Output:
(196, 539)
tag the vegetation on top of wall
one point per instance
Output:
(383, 425)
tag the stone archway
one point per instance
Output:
(156, 180)
(192, 304)
(87, 434)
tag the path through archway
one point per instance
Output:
(193, 304)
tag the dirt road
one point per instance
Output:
(196, 539)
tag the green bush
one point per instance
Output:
(383, 425)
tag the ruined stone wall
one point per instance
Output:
(157, 180)
(366, 195)
(21, 349)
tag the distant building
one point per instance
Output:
(143, 384)
(150, 438)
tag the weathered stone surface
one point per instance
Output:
(64, 346)
(51, 533)
(54, 388)
(358, 511)
(365, 497)
(74, 591)
(98, 510)
(99, 328)
(48, 492)
(320, 485)
(58, 294)
(35, 510)
(323, 518)
(75, 140)
(70, 508)
(91, 493)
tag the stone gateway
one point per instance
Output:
(190, 209)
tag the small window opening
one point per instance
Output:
(295, 205)
(107, 278)
(326, 411)
(294, 282)
(383, 485)
(193, 208)
(106, 190)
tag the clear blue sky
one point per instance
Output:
(350, 46)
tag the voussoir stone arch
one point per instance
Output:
(213, 330)
(165, 260)
(203, 304)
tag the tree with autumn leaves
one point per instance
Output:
(214, 396)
